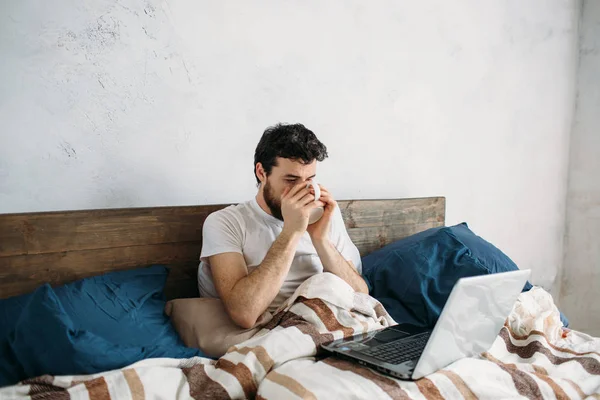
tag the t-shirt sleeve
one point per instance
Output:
(343, 243)
(221, 233)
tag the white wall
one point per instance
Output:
(581, 274)
(121, 103)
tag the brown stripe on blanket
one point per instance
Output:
(277, 319)
(428, 389)
(39, 380)
(526, 385)
(241, 373)
(559, 393)
(261, 355)
(326, 315)
(380, 310)
(201, 386)
(576, 387)
(365, 326)
(97, 389)
(291, 384)
(459, 383)
(493, 359)
(591, 365)
(539, 370)
(389, 386)
(43, 381)
(135, 384)
(307, 328)
(555, 347)
(42, 387)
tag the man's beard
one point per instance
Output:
(273, 203)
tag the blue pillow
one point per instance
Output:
(413, 277)
(46, 341)
(124, 309)
(10, 310)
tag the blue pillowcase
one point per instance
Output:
(413, 277)
(89, 326)
(124, 307)
(46, 341)
(10, 310)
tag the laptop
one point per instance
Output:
(469, 323)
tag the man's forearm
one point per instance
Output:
(254, 293)
(335, 263)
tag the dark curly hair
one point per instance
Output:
(293, 141)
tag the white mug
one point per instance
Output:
(315, 213)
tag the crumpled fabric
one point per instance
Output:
(535, 311)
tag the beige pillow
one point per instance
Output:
(203, 323)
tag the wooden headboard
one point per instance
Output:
(60, 247)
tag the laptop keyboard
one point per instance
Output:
(400, 351)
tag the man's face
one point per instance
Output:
(286, 173)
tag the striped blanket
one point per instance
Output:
(282, 361)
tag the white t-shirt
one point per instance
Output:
(247, 229)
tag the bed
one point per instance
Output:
(52, 249)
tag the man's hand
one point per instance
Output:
(319, 231)
(331, 258)
(296, 204)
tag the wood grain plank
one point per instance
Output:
(39, 233)
(372, 224)
(21, 274)
(369, 239)
(368, 213)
